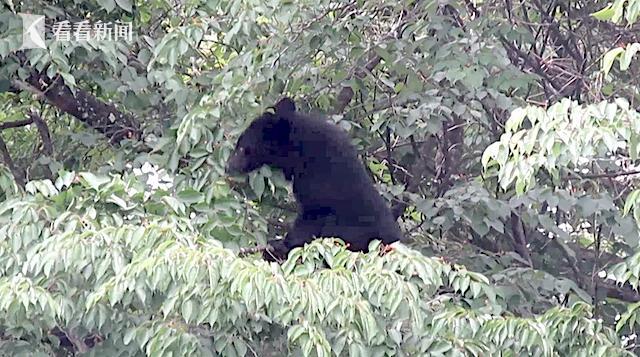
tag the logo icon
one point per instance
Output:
(32, 31)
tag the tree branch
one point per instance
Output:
(519, 238)
(346, 94)
(243, 252)
(604, 175)
(15, 124)
(43, 129)
(103, 117)
(16, 171)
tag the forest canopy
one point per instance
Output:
(504, 134)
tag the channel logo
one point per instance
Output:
(32, 31)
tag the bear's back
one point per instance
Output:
(334, 178)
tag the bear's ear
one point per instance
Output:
(285, 105)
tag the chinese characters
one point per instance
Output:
(86, 31)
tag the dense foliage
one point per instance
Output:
(504, 133)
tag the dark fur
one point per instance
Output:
(335, 195)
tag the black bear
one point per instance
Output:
(335, 195)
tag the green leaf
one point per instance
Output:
(175, 205)
(630, 51)
(604, 14)
(489, 153)
(633, 10)
(94, 181)
(515, 120)
(634, 148)
(125, 5)
(187, 310)
(119, 201)
(129, 335)
(108, 5)
(631, 201)
(294, 333)
(315, 42)
(257, 184)
(65, 179)
(387, 82)
(190, 196)
(69, 79)
(609, 57)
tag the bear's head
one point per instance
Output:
(266, 141)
